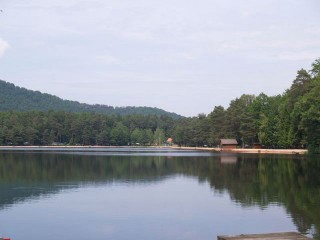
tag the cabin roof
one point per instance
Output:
(228, 142)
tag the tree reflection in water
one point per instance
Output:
(289, 181)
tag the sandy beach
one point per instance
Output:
(247, 150)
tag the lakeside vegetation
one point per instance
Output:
(56, 128)
(289, 120)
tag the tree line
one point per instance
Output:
(289, 120)
(57, 128)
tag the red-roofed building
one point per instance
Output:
(170, 141)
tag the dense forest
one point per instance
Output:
(290, 120)
(56, 128)
(14, 98)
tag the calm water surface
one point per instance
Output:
(154, 194)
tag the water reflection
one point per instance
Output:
(228, 159)
(264, 181)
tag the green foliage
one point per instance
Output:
(234, 114)
(248, 128)
(137, 136)
(315, 70)
(119, 135)
(290, 120)
(63, 128)
(217, 120)
(159, 137)
(267, 130)
(306, 112)
(13, 98)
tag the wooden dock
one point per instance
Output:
(267, 236)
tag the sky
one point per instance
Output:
(183, 56)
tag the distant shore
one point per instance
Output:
(247, 150)
(235, 150)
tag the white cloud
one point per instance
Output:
(107, 59)
(3, 46)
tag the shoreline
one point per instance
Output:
(218, 150)
(248, 150)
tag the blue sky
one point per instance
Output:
(184, 56)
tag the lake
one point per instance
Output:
(148, 193)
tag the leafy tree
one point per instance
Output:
(218, 123)
(138, 136)
(248, 129)
(307, 110)
(268, 131)
(119, 135)
(103, 137)
(148, 137)
(159, 137)
(298, 88)
(315, 70)
(234, 113)
(202, 130)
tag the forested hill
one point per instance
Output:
(14, 98)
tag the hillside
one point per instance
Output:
(14, 98)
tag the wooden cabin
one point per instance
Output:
(228, 143)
